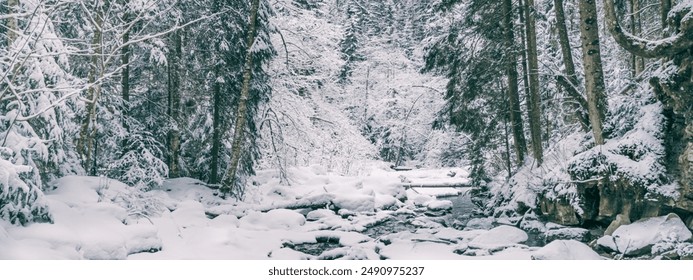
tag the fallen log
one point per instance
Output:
(436, 185)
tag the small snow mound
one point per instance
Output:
(274, 219)
(499, 238)
(288, 254)
(565, 250)
(318, 169)
(190, 213)
(385, 201)
(224, 221)
(142, 238)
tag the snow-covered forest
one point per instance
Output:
(346, 129)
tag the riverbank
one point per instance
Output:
(320, 216)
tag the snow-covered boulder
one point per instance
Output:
(385, 201)
(579, 234)
(355, 202)
(499, 238)
(565, 250)
(319, 214)
(480, 223)
(189, 214)
(639, 237)
(274, 219)
(439, 205)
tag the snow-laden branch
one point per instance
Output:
(677, 43)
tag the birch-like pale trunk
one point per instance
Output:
(229, 184)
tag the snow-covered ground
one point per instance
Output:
(328, 217)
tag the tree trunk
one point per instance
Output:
(672, 89)
(174, 104)
(513, 96)
(216, 132)
(635, 29)
(665, 6)
(534, 100)
(85, 143)
(667, 47)
(592, 62)
(12, 7)
(525, 72)
(125, 87)
(578, 104)
(230, 180)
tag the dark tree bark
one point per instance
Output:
(519, 141)
(665, 6)
(174, 103)
(638, 63)
(125, 87)
(534, 99)
(577, 101)
(592, 62)
(216, 131)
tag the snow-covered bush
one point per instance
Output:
(20, 202)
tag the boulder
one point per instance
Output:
(566, 250)
(499, 238)
(638, 238)
(619, 221)
(568, 233)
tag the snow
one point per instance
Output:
(499, 238)
(274, 219)
(438, 205)
(567, 233)
(480, 223)
(640, 235)
(355, 202)
(566, 250)
(96, 218)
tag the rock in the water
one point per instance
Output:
(480, 223)
(637, 238)
(607, 244)
(619, 221)
(499, 238)
(319, 214)
(439, 205)
(568, 233)
(566, 250)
